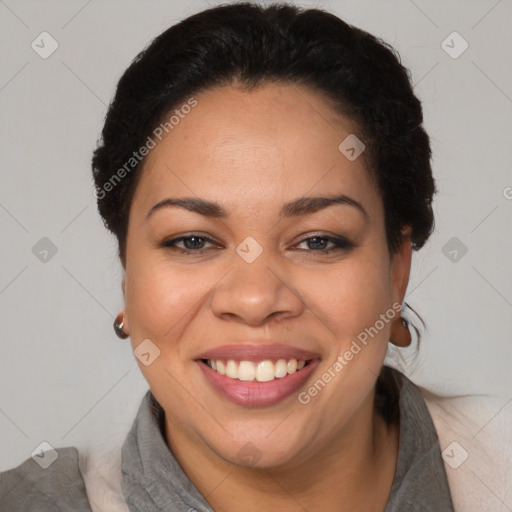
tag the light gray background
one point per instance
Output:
(65, 377)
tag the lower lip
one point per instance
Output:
(254, 393)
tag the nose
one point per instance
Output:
(256, 293)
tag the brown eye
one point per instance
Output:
(321, 243)
(191, 243)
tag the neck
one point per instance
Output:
(352, 471)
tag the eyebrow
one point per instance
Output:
(300, 206)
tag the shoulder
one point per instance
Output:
(50, 481)
(475, 435)
(102, 476)
(89, 481)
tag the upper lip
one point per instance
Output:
(257, 351)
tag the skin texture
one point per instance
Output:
(251, 152)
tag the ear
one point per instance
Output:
(401, 266)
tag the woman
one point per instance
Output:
(267, 176)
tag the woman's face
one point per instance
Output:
(257, 284)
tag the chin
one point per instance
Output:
(261, 452)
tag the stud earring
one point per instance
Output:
(118, 326)
(400, 334)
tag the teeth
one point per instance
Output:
(292, 366)
(281, 369)
(246, 370)
(262, 371)
(219, 366)
(232, 369)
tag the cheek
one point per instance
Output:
(159, 298)
(351, 297)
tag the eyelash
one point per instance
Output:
(339, 244)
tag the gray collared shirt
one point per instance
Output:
(152, 479)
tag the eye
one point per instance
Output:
(195, 244)
(320, 243)
(191, 243)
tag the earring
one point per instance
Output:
(400, 334)
(118, 326)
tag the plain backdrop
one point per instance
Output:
(64, 376)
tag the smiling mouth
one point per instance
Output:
(259, 371)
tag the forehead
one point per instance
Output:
(254, 147)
